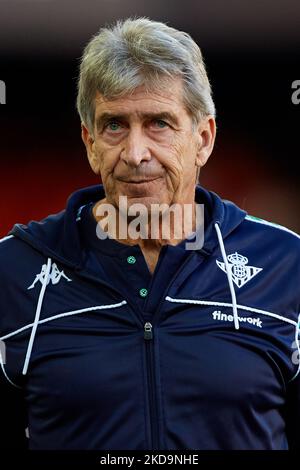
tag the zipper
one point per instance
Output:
(148, 334)
(150, 364)
(148, 337)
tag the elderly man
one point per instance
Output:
(140, 341)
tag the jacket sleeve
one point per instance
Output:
(13, 417)
(293, 414)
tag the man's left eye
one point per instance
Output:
(160, 123)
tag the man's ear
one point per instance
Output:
(206, 135)
(89, 143)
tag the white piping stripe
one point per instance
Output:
(15, 332)
(65, 314)
(37, 316)
(270, 224)
(6, 238)
(298, 347)
(224, 304)
(4, 371)
(229, 277)
(75, 312)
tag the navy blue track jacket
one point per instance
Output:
(100, 354)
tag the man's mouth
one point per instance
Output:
(139, 181)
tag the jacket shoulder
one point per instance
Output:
(12, 250)
(7, 245)
(5, 239)
(273, 230)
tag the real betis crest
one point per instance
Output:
(240, 272)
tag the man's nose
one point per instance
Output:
(135, 150)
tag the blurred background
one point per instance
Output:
(252, 53)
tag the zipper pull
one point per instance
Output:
(148, 331)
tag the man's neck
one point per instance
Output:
(153, 232)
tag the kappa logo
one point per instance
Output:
(240, 273)
(55, 276)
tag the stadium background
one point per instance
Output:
(252, 52)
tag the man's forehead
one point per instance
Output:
(168, 96)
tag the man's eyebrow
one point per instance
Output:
(164, 115)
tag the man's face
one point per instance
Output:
(144, 147)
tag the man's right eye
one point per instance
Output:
(112, 126)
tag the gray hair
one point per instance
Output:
(138, 51)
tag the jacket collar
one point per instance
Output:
(58, 235)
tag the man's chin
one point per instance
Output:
(146, 200)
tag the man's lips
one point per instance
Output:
(139, 181)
